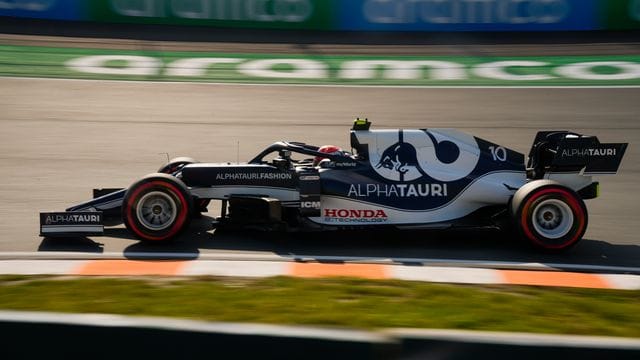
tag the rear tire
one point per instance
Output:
(550, 216)
(157, 207)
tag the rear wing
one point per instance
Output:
(564, 151)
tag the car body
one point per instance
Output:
(408, 179)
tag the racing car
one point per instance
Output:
(401, 178)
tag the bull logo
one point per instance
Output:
(399, 157)
(402, 157)
(407, 155)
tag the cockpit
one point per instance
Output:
(290, 155)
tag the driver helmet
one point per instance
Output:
(327, 149)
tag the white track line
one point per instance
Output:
(254, 257)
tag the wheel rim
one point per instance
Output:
(156, 210)
(552, 218)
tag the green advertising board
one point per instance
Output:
(621, 14)
(259, 14)
(314, 69)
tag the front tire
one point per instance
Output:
(176, 164)
(157, 207)
(550, 216)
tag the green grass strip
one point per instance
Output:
(336, 302)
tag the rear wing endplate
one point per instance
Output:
(587, 152)
(569, 152)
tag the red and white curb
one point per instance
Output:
(305, 269)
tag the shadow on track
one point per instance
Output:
(402, 245)
(82, 244)
(399, 246)
(186, 246)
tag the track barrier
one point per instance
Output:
(35, 334)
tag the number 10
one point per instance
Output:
(498, 152)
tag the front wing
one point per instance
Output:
(71, 223)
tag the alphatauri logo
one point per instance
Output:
(589, 152)
(71, 218)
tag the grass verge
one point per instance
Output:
(336, 302)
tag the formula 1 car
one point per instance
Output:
(407, 179)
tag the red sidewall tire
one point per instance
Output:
(526, 207)
(174, 165)
(164, 184)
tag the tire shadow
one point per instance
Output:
(400, 246)
(403, 246)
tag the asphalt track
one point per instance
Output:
(61, 138)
